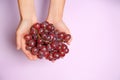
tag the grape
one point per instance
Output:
(27, 37)
(35, 51)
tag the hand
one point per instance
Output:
(60, 25)
(55, 15)
(23, 29)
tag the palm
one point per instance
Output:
(62, 27)
(21, 31)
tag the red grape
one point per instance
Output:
(56, 55)
(32, 43)
(27, 37)
(67, 37)
(29, 48)
(35, 51)
(37, 26)
(33, 30)
(39, 41)
(61, 35)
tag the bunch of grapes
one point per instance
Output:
(47, 42)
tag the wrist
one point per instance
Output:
(53, 19)
(32, 18)
(55, 12)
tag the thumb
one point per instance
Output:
(18, 40)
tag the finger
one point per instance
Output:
(18, 40)
(67, 31)
(69, 41)
(28, 54)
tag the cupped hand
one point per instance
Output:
(23, 29)
(60, 25)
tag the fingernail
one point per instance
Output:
(18, 48)
(68, 43)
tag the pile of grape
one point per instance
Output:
(45, 41)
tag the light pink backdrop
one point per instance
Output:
(94, 51)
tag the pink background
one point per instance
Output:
(94, 51)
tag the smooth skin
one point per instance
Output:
(28, 18)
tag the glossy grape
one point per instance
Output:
(35, 51)
(67, 37)
(27, 37)
(31, 43)
(29, 48)
(37, 26)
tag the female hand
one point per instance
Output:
(23, 29)
(28, 18)
(55, 15)
(60, 25)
